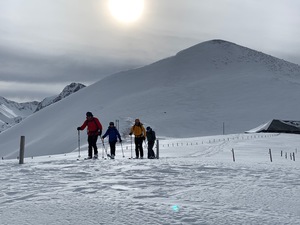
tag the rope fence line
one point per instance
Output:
(215, 140)
(292, 155)
(287, 154)
(284, 154)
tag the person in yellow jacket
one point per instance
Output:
(139, 136)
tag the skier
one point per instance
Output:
(151, 139)
(113, 135)
(139, 136)
(94, 128)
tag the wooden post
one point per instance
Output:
(117, 124)
(294, 158)
(233, 155)
(157, 149)
(270, 152)
(22, 147)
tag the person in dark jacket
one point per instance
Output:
(113, 135)
(94, 128)
(150, 134)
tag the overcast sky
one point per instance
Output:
(47, 44)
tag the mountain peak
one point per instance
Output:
(68, 90)
(218, 42)
(218, 47)
(223, 54)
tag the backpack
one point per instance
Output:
(151, 135)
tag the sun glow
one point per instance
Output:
(126, 11)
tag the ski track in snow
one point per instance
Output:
(194, 183)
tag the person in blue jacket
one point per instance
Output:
(113, 135)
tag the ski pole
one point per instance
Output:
(131, 145)
(78, 144)
(104, 146)
(122, 150)
(102, 152)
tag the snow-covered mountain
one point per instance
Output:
(70, 89)
(199, 91)
(12, 112)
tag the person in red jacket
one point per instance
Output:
(94, 128)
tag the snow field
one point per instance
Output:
(189, 184)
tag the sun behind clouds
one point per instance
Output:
(126, 11)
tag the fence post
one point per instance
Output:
(117, 124)
(157, 149)
(233, 155)
(22, 146)
(270, 155)
(294, 158)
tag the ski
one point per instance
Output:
(93, 158)
(111, 156)
(88, 158)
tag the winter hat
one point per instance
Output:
(111, 123)
(137, 120)
(89, 114)
(148, 128)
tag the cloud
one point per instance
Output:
(27, 91)
(24, 66)
(78, 41)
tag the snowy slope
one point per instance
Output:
(190, 94)
(195, 182)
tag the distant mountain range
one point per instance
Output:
(68, 90)
(211, 88)
(12, 113)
